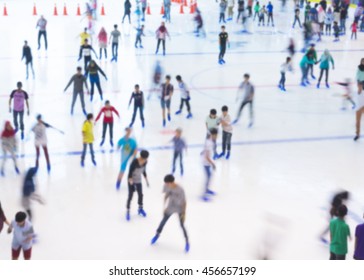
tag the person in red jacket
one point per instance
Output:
(107, 110)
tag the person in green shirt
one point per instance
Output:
(256, 10)
(339, 233)
(324, 61)
(307, 60)
(307, 11)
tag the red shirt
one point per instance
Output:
(108, 118)
(354, 27)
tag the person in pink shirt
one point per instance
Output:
(108, 111)
(354, 29)
(20, 97)
(102, 37)
(161, 34)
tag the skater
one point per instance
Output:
(312, 52)
(108, 120)
(240, 10)
(212, 122)
(291, 48)
(85, 52)
(185, 96)
(307, 12)
(223, 41)
(324, 61)
(307, 60)
(166, 98)
(3, 219)
(175, 199)
(102, 37)
(88, 139)
(40, 140)
(161, 34)
(336, 31)
(223, 6)
(359, 242)
(20, 97)
(348, 94)
(339, 232)
(114, 38)
(199, 24)
(256, 10)
(138, 97)
(85, 35)
(343, 16)
(137, 168)
(208, 163)
(78, 81)
(23, 236)
(29, 192)
(339, 199)
(129, 149)
(167, 10)
(230, 5)
(329, 19)
(8, 145)
(227, 132)
(127, 10)
(139, 34)
(297, 17)
(42, 24)
(27, 54)
(262, 13)
(248, 91)
(144, 7)
(287, 66)
(179, 144)
(270, 14)
(360, 98)
(94, 70)
(354, 29)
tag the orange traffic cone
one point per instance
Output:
(102, 10)
(181, 9)
(78, 10)
(148, 10)
(5, 11)
(191, 7)
(34, 10)
(65, 10)
(55, 13)
(162, 10)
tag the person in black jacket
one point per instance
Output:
(85, 51)
(27, 54)
(93, 69)
(138, 97)
(127, 8)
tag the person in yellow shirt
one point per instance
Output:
(84, 35)
(88, 139)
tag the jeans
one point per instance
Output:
(187, 104)
(138, 40)
(84, 151)
(31, 67)
(304, 71)
(132, 188)
(177, 154)
(105, 51)
(297, 19)
(44, 34)
(270, 18)
(114, 49)
(104, 127)
(328, 29)
(87, 59)
(135, 112)
(222, 51)
(164, 221)
(75, 94)
(95, 79)
(163, 44)
(342, 25)
(282, 81)
(250, 102)
(326, 75)
(226, 141)
(126, 14)
(208, 173)
(21, 119)
(222, 18)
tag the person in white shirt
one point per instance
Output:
(212, 122)
(40, 140)
(287, 66)
(247, 89)
(359, 113)
(208, 163)
(185, 96)
(227, 131)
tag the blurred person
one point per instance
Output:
(102, 37)
(127, 10)
(212, 122)
(223, 6)
(27, 55)
(247, 90)
(285, 67)
(179, 145)
(185, 96)
(354, 30)
(166, 98)
(139, 34)
(339, 234)
(348, 95)
(8, 145)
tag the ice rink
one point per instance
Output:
(273, 194)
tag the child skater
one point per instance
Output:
(137, 168)
(175, 199)
(208, 163)
(354, 29)
(348, 95)
(108, 120)
(227, 132)
(179, 144)
(185, 96)
(8, 145)
(138, 97)
(287, 66)
(88, 139)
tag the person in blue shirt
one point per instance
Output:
(270, 13)
(128, 148)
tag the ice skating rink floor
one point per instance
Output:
(273, 193)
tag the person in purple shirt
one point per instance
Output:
(20, 97)
(359, 242)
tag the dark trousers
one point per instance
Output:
(75, 94)
(163, 44)
(105, 51)
(250, 10)
(37, 149)
(337, 257)
(126, 14)
(21, 119)
(297, 19)
(226, 141)
(222, 51)
(256, 14)
(342, 25)
(42, 34)
(270, 18)
(164, 221)
(250, 102)
(328, 29)
(104, 127)
(326, 75)
(310, 69)
(353, 34)
(85, 149)
(135, 112)
(114, 49)
(282, 81)
(187, 104)
(138, 40)
(27, 64)
(95, 79)
(132, 188)
(304, 70)
(222, 18)
(208, 173)
(176, 155)
(87, 60)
